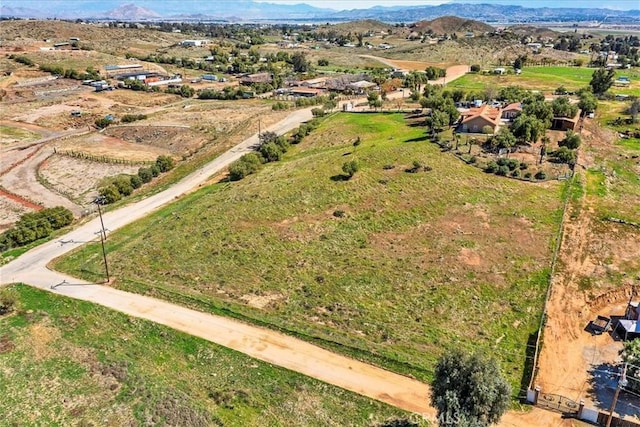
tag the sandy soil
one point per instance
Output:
(589, 249)
(453, 72)
(10, 212)
(78, 179)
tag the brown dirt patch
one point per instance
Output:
(261, 301)
(175, 139)
(100, 145)
(78, 179)
(6, 345)
(39, 339)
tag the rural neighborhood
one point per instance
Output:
(368, 213)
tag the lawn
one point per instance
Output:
(390, 266)
(68, 362)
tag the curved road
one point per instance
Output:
(267, 345)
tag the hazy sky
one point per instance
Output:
(365, 4)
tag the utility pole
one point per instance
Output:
(622, 382)
(103, 237)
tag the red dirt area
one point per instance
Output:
(21, 200)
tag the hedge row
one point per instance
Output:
(35, 225)
(115, 188)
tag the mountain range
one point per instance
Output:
(250, 10)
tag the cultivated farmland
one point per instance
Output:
(391, 266)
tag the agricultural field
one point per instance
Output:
(395, 265)
(69, 362)
(545, 79)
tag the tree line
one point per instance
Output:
(35, 225)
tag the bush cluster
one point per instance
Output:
(35, 225)
(504, 166)
(128, 118)
(115, 188)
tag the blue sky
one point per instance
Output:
(364, 4)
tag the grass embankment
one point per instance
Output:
(64, 362)
(393, 266)
(11, 134)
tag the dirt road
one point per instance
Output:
(454, 72)
(263, 344)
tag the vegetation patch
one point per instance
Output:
(72, 362)
(422, 263)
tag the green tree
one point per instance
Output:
(588, 103)
(145, 174)
(571, 140)
(469, 390)
(271, 151)
(350, 168)
(631, 355)
(528, 128)
(601, 80)
(109, 194)
(372, 99)
(563, 108)
(438, 120)
(299, 62)
(565, 155)
(538, 109)
(164, 163)
(504, 139)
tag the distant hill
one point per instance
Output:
(362, 26)
(452, 24)
(131, 12)
(535, 32)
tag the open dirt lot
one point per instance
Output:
(598, 263)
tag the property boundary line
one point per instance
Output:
(554, 261)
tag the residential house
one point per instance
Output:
(511, 111)
(250, 79)
(306, 92)
(474, 120)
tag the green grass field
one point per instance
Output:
(67, 362)
(390, 266)
(10, 133)
(545, 79)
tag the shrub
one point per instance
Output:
(246, 165)
(8, 300)
(473, 159)
(541, 175)
(475, 68)
(513, 164)
(565, 155)
(527, 175)
(502, 170)
(135, 181)
(350, 168)
(492, 167)
(109, 194)
(271, 151)
(524, 165)
(145, 174)
(102, 123)
(322, 62)
(164, 163)
(516, 173)
(155, 170)
(128, 118)
(123, 184)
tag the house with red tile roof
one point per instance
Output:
(511, 111)
(474, 120)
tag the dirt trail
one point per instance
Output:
(454, 72)
(568, 350)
